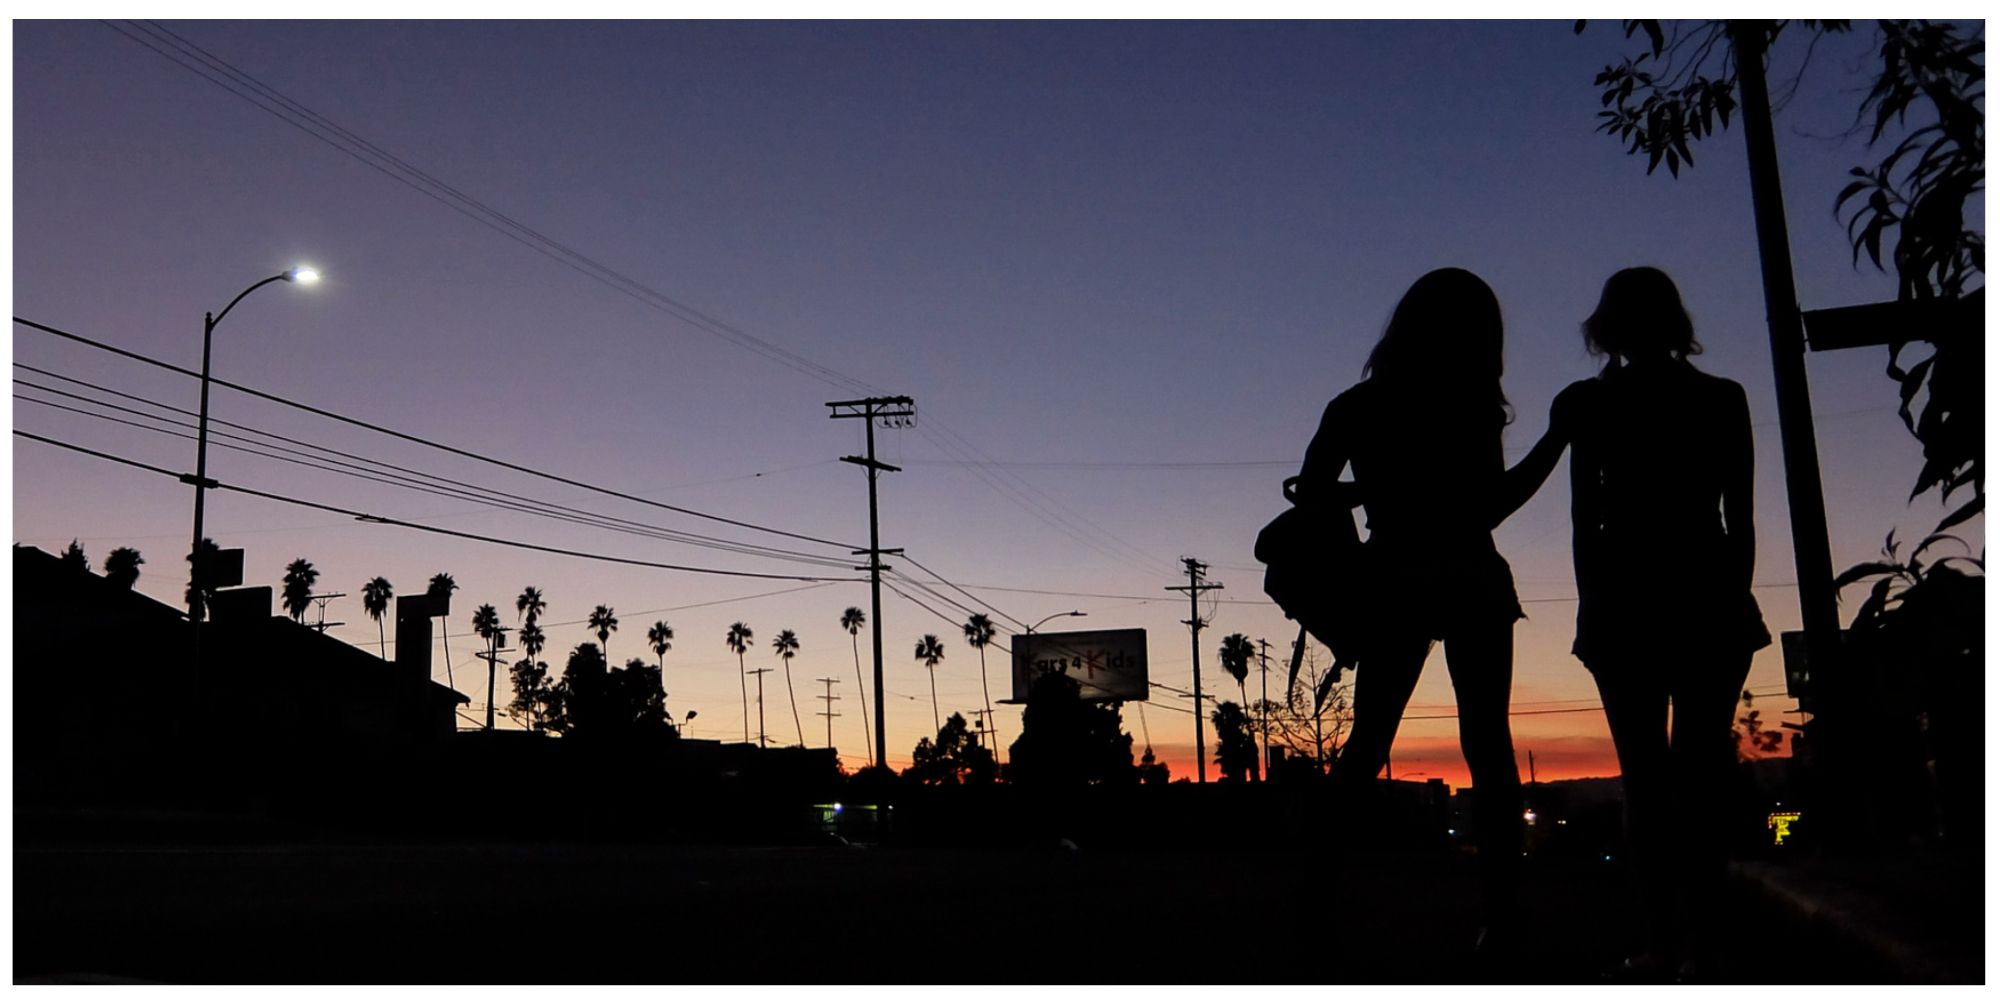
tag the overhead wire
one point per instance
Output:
(433, 529)
(215, 70)
(199, 61)
(974, 598)
(455, 489)
(426, 442)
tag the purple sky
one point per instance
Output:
(1139, 258)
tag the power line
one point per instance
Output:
(511, 501)
(195, 59)
(426, 442)
(940, 578)
(215, 70)
(433, 529)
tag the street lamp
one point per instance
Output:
(1059, 614)
(302, 275)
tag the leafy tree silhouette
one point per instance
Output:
(1235, 742)
(375, 596)
(1067, 742)
(122, 567)
(1752, 739)
(297, 594)
(954, 758)
(852, 619)
(930, 652)
(74, 558)
(1152, 771)
(600, 705)
(1919, 190)
(1310, 728)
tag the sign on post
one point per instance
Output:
(1109, 665)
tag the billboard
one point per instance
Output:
(1110, 664)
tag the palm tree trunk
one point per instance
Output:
(992, 727)
(381, 638)
(793, 695)
(743, 681)
(867, 735)
(445, 627)
(935, 724)
(492, 668)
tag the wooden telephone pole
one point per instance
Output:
(899, 411)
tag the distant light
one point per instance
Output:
(836, 807)
(1607, 857)
(303, 275)
(1529, 816)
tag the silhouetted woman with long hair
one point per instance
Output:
(1422, 432)
(1664, 546)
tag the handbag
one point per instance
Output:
(1315, 570)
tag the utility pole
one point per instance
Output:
(898, 411)
(760, 672)
(829, 697)
(1264, 699)
(319, 605)
(1196, 569)
(983, 729)
(1818, 611)
(492, 657)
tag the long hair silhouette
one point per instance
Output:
(1445, 334)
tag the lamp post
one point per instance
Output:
(1059, 614)
(200, 482)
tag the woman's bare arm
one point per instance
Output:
(1326, 456)
(1519, 483)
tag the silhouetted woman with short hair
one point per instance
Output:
(1422, 432)
(1664, 546)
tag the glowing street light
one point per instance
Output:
(202, 484)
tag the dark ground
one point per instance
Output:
(354, 912)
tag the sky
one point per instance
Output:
(1121, 267)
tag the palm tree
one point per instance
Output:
(739, 640)
(530, 603)
(486, 623)
(979, 633)
(122, 567)
(787, 646)
(603, 622)
(440, 588)
(852, 619)
(931, 651)
(661, 637)
(1237, 652)
(299, 579)
(375, 595)
(532, 641)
